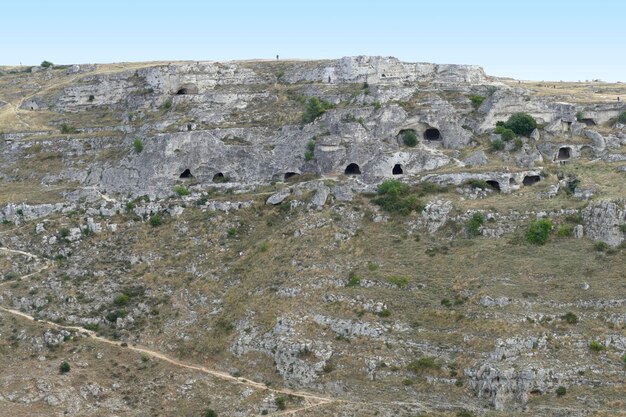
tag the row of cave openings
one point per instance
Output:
(354, 169)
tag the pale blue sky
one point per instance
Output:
(540, 40)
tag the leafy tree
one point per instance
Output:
(315, 108)
(521, 123)
(138, 145)
(46, 64)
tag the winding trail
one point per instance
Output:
(311, 400)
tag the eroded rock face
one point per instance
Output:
(605, 220)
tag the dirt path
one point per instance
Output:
(311, 399)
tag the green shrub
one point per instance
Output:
(264, 246)
(167, 105)
(395, 197)
(579, 116)
(427, 362)
(477, 100)
(496, 145)
(384, 313)
(67, 129)
(377, 104)
(138, 145)
(94, 327)
(315, 108)
(538, 231)
(353, 280)
(570, 318)
(371, 266)
(473, 225)
(155, 221)
(561, 391)
(596, 346)
(506, 133)
(64, 232)
(565, 230)
(464, 413)
(399, 282)
(517, 144)
(409, 138)
(46, 64)
(601, 246)
(622, 117)
(521, 123)
(64, 367)
(571, 186)
(310, 146)
(181, 190)
(112, 316)
(210, 413)
(122, 300)
(281, 403)
(446, 302)
(308, 155)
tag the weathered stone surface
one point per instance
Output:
(605, 220)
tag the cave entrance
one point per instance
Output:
(432, 134)
(397, 170)
(531, 179)
(353, 169)
(182, 92)
(220, 177)
(186, 174)
(290, 175)
(493, 184)
(588, 121)
(564, 153)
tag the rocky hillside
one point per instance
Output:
(350, 237)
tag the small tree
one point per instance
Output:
(281, 403)
(622, 117)
(315, 108)
(210, 413)
(46, 64)
(496, 145)
(473, 225)
(64, 367)
(521, 123)
(561, 391)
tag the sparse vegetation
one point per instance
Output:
(476, 100)
(155, 221)
(209, 413)
(399, 282)
(496, 145)
(394, 196)
(181, 190)
(67, 129)
(622, 117)
(353, 280)
(315, 108)
(596, 346)
(423, 364)
(474, 223)
(570, 318)
(281, 403)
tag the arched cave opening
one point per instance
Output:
(432, 134)
(219, 177)
(493, 184)
(353, 169)
(289, 175)
(564, 153)
(588, 121)
(182, 92)
(397, 170)
(531, 179)
(186, 174)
